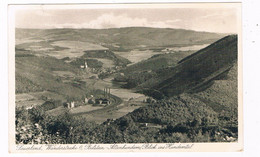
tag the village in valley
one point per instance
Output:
(126, 84)
(102, 97)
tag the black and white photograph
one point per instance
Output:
(142, 74)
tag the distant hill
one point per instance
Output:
(123, 39)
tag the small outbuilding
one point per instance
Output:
(70, 104)
(102, 101)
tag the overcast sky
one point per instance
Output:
(221, 20)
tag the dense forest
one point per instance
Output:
(179, 119)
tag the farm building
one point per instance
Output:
(105, 100)
(102, 101)
(70, 104)
(86, 100)
(90, 100)
(29, 107)
(85, 66)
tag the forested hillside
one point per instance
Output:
(36, 73)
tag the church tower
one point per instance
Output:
(86, 65)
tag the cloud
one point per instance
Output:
(217, 15)
(173, 21)
(42, 13)
(111, 20)
(210, 21)
(209, 16)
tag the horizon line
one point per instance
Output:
(128, 27)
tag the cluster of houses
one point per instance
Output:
(103, 101)
(97, 101)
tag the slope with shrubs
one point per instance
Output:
(222, 96)
(36, 74)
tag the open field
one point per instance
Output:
(78, 45)
(23, 97)
(126, 94)
(26, 40)
(85, 108)
(36, 98)
(29, 103)
(74, 49)
(107, 63)
(186, 48)
(136, 56)
(58, 49)
(48, 95)
(37, 95)
(64, 73)
(27, 100)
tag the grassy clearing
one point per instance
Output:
(84, 109)
(23, 97)
(29, 103)
(136, 55)
(64, 73)
(48, 95)
(78, 45)
(74, 49)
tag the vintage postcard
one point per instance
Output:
(125, 77)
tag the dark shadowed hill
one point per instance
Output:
(197, 71)
(156, 62)
(123, 38)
